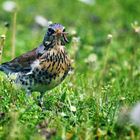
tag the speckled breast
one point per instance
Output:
(51, 71)
(43, 80)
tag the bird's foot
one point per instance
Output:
(29, 99)
(41, 103)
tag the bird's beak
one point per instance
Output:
(58, 32)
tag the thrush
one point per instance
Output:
(44, 67)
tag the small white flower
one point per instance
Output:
(42, 21)
(109, 36)
(63, 114)
(136, 27)
(90, 2)
(122, 98)
(73, 108)
(70, 84)
(72, 31)
(81, 97)
(135, 114)
(3, 36)
(9, 6)
(91, 58)
(76, 39)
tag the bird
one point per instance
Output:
(44, 67)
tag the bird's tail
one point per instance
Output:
(5, 68)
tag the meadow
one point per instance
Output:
(95, 101)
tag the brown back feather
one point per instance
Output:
(23, 62)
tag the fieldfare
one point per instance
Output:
(44, 67)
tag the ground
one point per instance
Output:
(95, 101)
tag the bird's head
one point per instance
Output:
(56, 34)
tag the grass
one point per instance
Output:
(106, 80)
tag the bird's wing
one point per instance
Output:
(23, 62)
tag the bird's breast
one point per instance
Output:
(52, 70)
(55, 62)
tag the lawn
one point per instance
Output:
(96, 101)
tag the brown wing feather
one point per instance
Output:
(23, 62)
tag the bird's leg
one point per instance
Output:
(28, 98)
(28, 93)
(40, 100)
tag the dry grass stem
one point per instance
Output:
(2, 41)
(14, 34)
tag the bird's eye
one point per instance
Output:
(50, 31)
